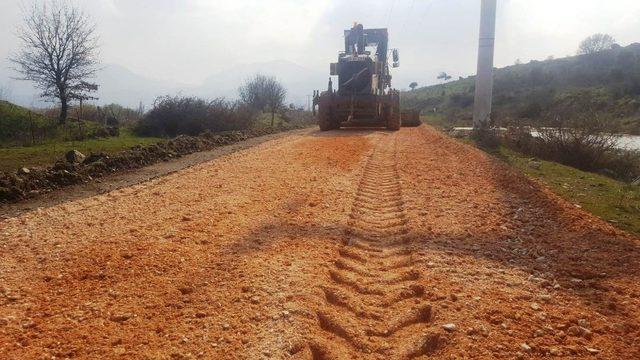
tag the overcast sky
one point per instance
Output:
(187, 40)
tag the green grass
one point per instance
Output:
(440, 121)
(13, 158)
(264, 120)
(611, 200)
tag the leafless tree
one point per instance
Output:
(275, 95)
(595, 43)
(252, 92)
(59, 52)
(263, 93)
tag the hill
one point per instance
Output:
(298, 80)
(605, 84)
(120, 85)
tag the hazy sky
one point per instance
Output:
(186, 40)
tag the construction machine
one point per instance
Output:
(364, 97)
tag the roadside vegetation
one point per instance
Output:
(571, 110)
(530, 94)
(47, 153)
(614, 201)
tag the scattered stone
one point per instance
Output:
(579, 331)
(121, 317)
(74, 157)
(255, 299)
(200, 315)
(554, 351)
(535, 164)
(592, 350)
(24, 171)
(544, 297)
(186, 290)
(525, 347)
(226, 326)
(28, 324)
(535, 306)
(12, 297)
(449, 327)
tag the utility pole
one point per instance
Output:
(484, 77)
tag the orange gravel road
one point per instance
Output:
(340, 245)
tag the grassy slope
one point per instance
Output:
(610, 80)
(611, 200)
(46, 154)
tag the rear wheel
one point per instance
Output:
(393, 114)
(326, 120)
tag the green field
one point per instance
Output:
(13, 158)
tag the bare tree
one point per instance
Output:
(595, 43)
(413, 85)
(252, 92)
(59, 53)
(275, 95)
(263, 93)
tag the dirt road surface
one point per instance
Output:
(340, 245)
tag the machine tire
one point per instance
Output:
(410, 118)
(325, 119)
(393, 119)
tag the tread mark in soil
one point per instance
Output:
(364, 280)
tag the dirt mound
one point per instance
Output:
(75, 168)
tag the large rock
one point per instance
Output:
(74, 157)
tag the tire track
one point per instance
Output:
(366, 312)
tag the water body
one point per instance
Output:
(631, 142)
(628, 142)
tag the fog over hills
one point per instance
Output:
(120, 85)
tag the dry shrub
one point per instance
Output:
(172, 116)
(586, 143)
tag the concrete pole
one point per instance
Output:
(484, 77)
